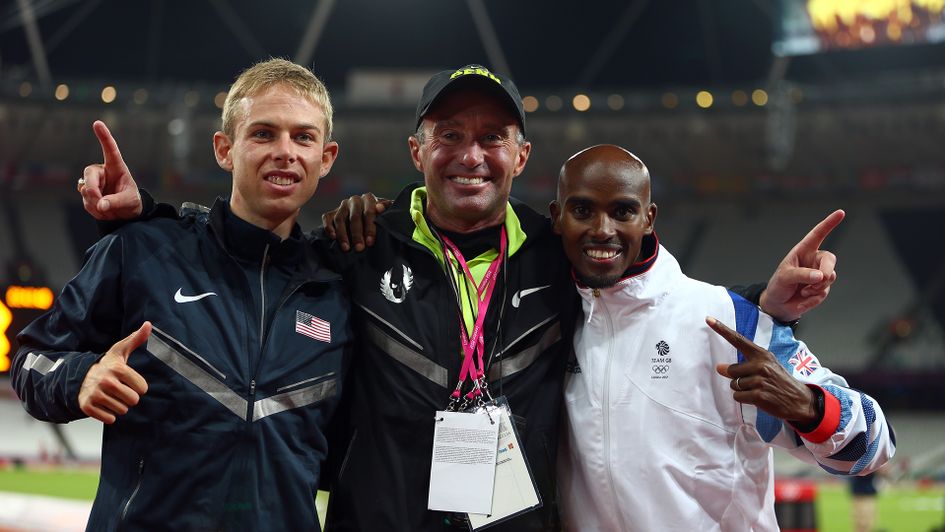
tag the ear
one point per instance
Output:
(414, 146)
(221, 150)
(522, 155)
(650, 218)
(555, 209)
(329, 154)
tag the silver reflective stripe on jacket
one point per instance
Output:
(40, 364)
(197, 376)
(295, 399)
(208, 383)
(503, 367)
(408, 357)
(395, 329)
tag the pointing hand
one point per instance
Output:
(121, 200)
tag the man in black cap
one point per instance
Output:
(415, 306)
(458, 271)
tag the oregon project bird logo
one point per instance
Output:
(395, 289)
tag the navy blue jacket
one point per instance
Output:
(241, 383)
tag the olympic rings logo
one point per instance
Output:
(661, 369)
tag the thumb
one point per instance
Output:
(125, 347)
(126, 200)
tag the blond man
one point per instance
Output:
(215, 401)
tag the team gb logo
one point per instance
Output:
(395, 291)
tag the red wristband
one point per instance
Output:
(828, 425)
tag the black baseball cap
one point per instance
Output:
(470, 75)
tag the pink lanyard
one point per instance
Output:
(474, 344)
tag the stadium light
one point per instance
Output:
(530, 103)
(581, 102)
(759, 97)
(62, 92)
(108, 94)
(704, 99)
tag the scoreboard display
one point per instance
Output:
(814, 26)
(18, 307)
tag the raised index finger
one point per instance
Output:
(813, 240)
(110, 152)
(746, 347)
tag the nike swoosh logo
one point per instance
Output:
(181, 298)
(517, 296)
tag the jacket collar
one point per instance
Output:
(400, 220)
(248, 242)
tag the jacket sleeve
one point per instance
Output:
(150, 210)
(59, 347)
(751, 292)
(853, 438)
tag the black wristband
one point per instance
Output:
(819, 408)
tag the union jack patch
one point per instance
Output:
(804, 363)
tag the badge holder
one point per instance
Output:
(515, 490)
(462, 472)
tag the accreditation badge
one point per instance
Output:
(462, 472)
(515, 490)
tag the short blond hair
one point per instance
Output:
(272, 72)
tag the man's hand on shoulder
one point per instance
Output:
(111, 386)
(108, 190)
(352, 222)
(803, 279)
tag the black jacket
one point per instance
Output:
(408, 360)
(229, 435)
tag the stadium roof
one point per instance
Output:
(589, 45)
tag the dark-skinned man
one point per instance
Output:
(667, 407)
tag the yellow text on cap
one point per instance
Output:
(478, 71)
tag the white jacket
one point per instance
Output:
(655, 440)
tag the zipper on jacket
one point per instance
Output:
(262, 332)
(262, 295)
(251, 400)
(605, 404)
(134, 492)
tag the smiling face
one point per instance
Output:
(602, 213)
(277, 154)
(469, 152)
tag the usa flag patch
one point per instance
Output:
(312, 326)
(804, 363)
